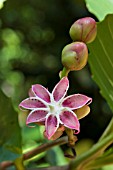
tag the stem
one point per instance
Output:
(102, 161)
(5, 164)
(41, 148)
(64, 73)
(82, 161)
(71, 138)
(66, 167)
(108, 130)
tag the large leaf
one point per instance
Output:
(108, 167)
(10, 135)
(101, 59)
(100, 8)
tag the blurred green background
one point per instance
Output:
(32, 35)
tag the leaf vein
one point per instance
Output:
(101, 43)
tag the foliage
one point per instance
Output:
(101, 60)
(10, 143)
(100, 13)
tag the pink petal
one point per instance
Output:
(57, 134)
(51, 125)
(32, 103)
(36, 116)
(60, 89)
(41, 92)
(76, 101)
(69, 119)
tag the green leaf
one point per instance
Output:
(55, 157)
(10, 133)
(100, 8)
(101, 59)
(108, 167)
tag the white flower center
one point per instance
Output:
(55, 108)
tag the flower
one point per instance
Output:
(54, 109)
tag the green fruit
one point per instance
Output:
(84, 30)
(75, 56)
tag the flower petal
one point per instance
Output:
(69, 119)
(57, 134)
(41, 92)
(38, 115)
(32, 103)
(51, 125)
(60, 89)
(76, 101)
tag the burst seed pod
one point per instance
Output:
(75, 56)
(84, 30)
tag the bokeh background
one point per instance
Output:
(32, 36)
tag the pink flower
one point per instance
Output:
(54, 109)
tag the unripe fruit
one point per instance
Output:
(75, 56)
(84, 30)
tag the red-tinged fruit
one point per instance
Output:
(75, 56)
(84, 29)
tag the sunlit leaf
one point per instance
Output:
(31, 134)
(101, 59)
(100, 8)
(10, 135)
(2, 3)
(108, 167)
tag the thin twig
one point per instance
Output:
(36, 151)
(45, 147)
(66, 167)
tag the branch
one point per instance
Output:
(53, 168)
(34, 152)
(45, 147)
(107, 131)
